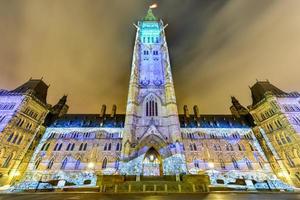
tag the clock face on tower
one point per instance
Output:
(151, 70)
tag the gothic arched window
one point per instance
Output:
(80, 147)
(117, 163)
(37, 163)
(59, 148)
(64, 163)
(77, 164)
(10, 137)
(235, 164)
(222, 164)
(7, 161)
(104, 163)
(50, 164)
(151, 106)
(118, 147)
(290, 161)
(249, 165)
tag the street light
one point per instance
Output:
(211, 165)
(91, 165)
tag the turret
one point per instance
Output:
(237, 109)
(61, 108)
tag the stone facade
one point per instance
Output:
(22, 113)
(151, 138)
(277, 117)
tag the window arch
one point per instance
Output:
(85, 146)
(60, 146)
(77, 164)
(235, 164)
(109, 147)
(248, 163)
(196, 163)
(80, 147)
(37, 163)
(151, 106)
(10, 137)
(15, 139)
(7, 161)
(20, 140)
(251, 147)
(50, 164)
(73, 146)
(222, 164)
(64, 163)
(290, 161)
(105, 147)
(195, 147)
(118, 147)
(104, 163)
(117, 163)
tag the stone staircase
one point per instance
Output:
(153, 184)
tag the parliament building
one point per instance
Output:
(254, 147)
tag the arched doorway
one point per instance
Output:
(152, 163)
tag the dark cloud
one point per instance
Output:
(84, 48)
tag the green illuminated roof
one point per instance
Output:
(150, 16)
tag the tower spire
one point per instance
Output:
(150, 16)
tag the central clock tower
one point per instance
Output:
(152, 124)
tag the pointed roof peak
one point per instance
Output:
(150, 16)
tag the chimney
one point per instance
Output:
(186, 111)
(113, 111)
(103, 109)
(196, 111)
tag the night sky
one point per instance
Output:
(83, 48)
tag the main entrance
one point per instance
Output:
(152, 163)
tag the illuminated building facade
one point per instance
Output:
(22, 113)
(151, 138)
(277, 117)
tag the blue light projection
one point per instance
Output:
(150, 54)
